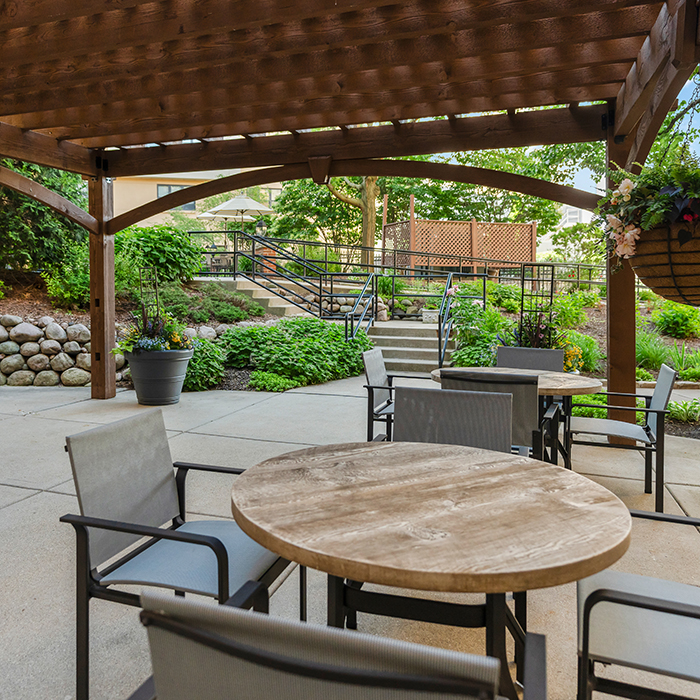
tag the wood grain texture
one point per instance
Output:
(548, 383)
(432, 517)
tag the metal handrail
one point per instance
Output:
(350, 315)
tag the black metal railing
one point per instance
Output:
(366, 300)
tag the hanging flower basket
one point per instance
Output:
(667, 260)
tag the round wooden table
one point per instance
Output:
(432, 517)
(548, 384)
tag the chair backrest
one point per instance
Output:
(662, 393)
(123, 471)
(216, 652)
(375, 373)
(523, 388)
(530, 358)
(470, 418)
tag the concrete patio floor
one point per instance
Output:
(240, 429)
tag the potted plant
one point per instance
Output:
(158, 352)
(651, 219)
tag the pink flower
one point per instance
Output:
(613, 222)
(451, 291)
(625, 248)
(625, 187)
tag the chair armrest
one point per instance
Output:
(215, 544)
(535, 678)
(380, 438)
(640, 409)
(666, 517)
(183, 469)
(409, 375)
(647, 397)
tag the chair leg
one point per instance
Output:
(660, 477)
(302, 593)
(584, 685)
(647, 470)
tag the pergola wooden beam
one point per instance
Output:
(322, 168)
(19, 183)
(539, 127)
(38, 148)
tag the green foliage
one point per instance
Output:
(569, 310)
(206, 368)
(591, 354)
(316, 255)
(389, 282)
(602, 412)
(684, 411)
(4, 288)
(211, 302)
(590, 298)
(172, 252)
(678, 357)
(68, 283)
(269, 381)
(677, 320)
(506, 296)
(651, 351)
(691, 374)
(642, 375)
(32, 235)
(580, 243)
(306, 350)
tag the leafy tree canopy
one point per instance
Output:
(31, 234)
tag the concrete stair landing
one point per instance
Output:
(408, 346)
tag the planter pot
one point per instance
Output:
(430, 315)
(669, 266)
(158, 376)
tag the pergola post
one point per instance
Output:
(102, 306)
(620, 313)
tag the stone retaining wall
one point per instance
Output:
(41, 352)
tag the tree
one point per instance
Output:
(580, 243)
(32, 235)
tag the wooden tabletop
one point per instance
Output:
(432, 517)
(549, 383)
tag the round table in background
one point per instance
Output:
(433, 517)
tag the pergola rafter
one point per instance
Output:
(324, 87)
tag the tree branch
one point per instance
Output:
(352, 184)
(352, 201)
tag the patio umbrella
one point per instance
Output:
(238, 207)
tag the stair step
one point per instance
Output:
(410, 365)
(409, 353)
(387, 341)
(410, 331)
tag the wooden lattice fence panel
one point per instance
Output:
(442, 238)
(504, 241)
(397, 236)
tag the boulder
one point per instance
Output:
(12, 363)
(382, 315)
(25, 332)
(78, 332)
(88, 347)
(83, 361)
(3, 379)
(29, 349)
(206, 332)
(62, 362)
(71, 347)
(75, 377)
(345, 308)
(43, 322)
(8, 320)
(4, 335)
(54, 332)
(221, 329)
(46, 378)
(120, 360)
(191, 332)
(38, 363)
(9, 347)
(24, 377)
(50, 347)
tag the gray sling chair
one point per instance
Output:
(127, 490)
(638, 622)
(380, 404)
(207, 652)
(650, 435)
(530, 432)
(530, 358)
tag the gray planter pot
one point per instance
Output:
(158, 376)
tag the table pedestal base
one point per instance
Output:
(346, 599)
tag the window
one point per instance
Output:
(167, 189)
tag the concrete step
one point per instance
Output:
(408, 353)
(272, 303)
(410, 365)
(388, 341)
(405, 329)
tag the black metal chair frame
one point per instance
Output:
(88, 579)
(534, 665)
(657, 442)
(587, 680)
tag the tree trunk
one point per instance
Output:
(368, 197)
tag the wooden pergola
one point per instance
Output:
(318, 88)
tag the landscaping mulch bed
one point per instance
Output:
(235, 380)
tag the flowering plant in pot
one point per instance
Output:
(651, 219)
(158, 351)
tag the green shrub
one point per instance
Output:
(317, 256)
(588, 297)
(506, 296)
(480, 352)
(602, 412)
(569, 310)
(269, 381)
(591, 354)
(171, 251)
(684, 411)
(306, 350)
(692, 374)
(677, 320)
(651, 352)
(388, 283)
(642, 375)
(4, 288)
(206, 368)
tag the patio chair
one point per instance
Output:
(219, 652)
(472, 418)
(380, 403)
(127, 490)
(531, 434)
(638, 622)
(650, 435)
(530, 358)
